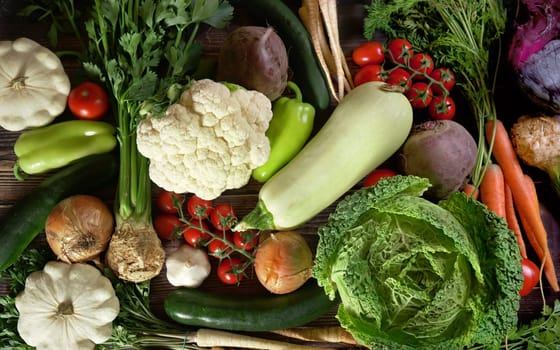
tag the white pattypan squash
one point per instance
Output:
(66, 306)
(33, 85)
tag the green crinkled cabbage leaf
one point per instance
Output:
(412, 274)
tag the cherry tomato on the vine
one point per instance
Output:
(246, 240)
(399, 50)
(369, 52)
(168, 226)
(401, 77)
(422, 63)
(89, 101)
(217, 247)
(531, 275)
(420, 95)
(442, 108)
(223, 216)
(371, 72)
(195, 232)
(444, 76)
(168, 202)
(198, 207)
(377, 175)
(229, 271)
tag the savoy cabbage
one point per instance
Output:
(413, 274)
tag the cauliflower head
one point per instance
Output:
(207, 142)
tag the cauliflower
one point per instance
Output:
(207, 142)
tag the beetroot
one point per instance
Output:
(442, 151)
(255, 58)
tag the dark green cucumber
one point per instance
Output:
(303, 60)
(26, 219)
(194, 307)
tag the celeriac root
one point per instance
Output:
(135, 253)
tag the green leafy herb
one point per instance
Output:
(59, 13)
(541, 333)
(460, 34)
(412, 274)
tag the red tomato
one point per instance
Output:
(196, 233)
(369, 52)
(442, 108)
(229, 271)
(400, 76)
(422, 63)
(223, 217)
(371, 72)
(377, 175)
(88, 101)
(399, 50)
(167, 226)
(420, 95)
(169, 202)
(217, 247)
(444, 76)
(531, 275)
(198, 207)
(246, 240)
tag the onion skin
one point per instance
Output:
(79, 228)
(283, 262)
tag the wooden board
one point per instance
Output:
(351, 14)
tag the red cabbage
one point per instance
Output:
(534, 53)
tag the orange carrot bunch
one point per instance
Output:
(510, 193)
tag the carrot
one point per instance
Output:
(544, 255)
(471, 191)
(492, 190)
(523, 194)
(513, 223)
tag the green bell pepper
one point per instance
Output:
(289, 129)
(57, 145)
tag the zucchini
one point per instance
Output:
(368, 126)
(302, 57)
(194, 307)
(26, 219)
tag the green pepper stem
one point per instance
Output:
(296, 90)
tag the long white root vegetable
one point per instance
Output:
(215, 338)
(320, 17)
(312, 20)
(327, 334)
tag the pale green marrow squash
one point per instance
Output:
(365, 129)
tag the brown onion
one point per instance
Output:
(78, 228)
(283, 262)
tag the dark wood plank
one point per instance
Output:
(351, 13)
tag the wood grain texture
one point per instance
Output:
(243, 200)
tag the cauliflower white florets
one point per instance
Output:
(207, 142)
